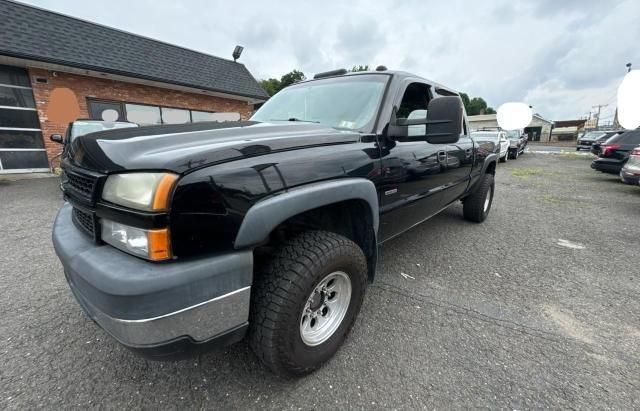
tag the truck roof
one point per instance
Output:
(395, 73)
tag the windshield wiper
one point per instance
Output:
(294, 119)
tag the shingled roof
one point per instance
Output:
(32, 33)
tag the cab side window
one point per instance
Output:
(414, 105)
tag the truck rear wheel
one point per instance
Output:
(476, 207)
(305, 301)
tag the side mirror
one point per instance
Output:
(57, 138)
(444, 120)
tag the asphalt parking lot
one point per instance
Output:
(537, 307)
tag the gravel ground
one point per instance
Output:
(537, 307)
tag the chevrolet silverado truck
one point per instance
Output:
(184, 237)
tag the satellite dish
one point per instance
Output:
(110, 115)
(514, 116)
(629, 101)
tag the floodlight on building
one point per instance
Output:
(237, 52)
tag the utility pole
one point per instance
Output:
(599, 106)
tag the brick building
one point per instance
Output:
(55, 68)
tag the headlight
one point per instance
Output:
(513, 143)
(149, 244)
(142, 191)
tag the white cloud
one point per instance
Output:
(561, 57)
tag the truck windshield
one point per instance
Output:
(349, 102)
(513, 134)
(592, 135)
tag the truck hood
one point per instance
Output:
(184, 147)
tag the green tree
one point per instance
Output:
(465, 101)
(290, 78)
(475, 105)
(273, 85)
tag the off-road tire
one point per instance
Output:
(281, 290)
(473, 207)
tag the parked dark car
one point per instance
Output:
(615, 152)
(587, 139)
(517, 143)
(595, 145)
(190, 236)
(630, 173)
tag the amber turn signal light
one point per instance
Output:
(159, 244)
(163, 192)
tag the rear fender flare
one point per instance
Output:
(491, 158)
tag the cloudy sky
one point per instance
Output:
(562, 57)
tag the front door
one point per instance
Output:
(411, 184)
(457, 173)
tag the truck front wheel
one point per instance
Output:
(476, 207)
(305, 301)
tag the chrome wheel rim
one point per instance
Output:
(487, 200)
(325, 308)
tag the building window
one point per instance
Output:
(146, 114)
(21, 144)
(96, 108)
(175, 116)
(205, 116)
(198, 116)
(16, 97)
(14, 76)
(21, 139)
(143, 115)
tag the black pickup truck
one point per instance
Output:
(184, 237)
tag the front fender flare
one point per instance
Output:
(263, 217)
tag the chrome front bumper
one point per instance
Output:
(201, 322)
(144, 304)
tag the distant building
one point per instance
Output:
(567, 130)
(538, 130)
(45, 54)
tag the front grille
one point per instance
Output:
(82, 184)
(85, 221)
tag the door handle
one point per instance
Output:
(442, 156)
